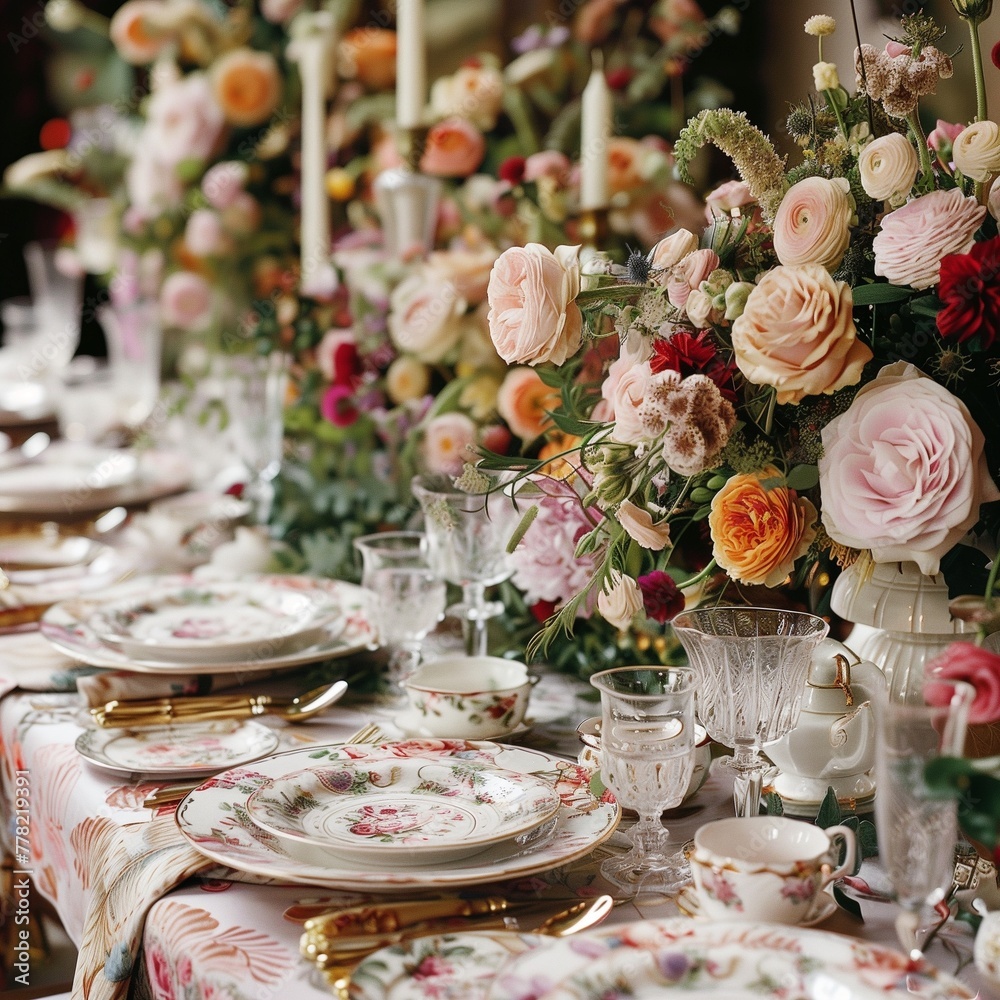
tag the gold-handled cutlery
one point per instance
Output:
(166, 711)
(331, 944)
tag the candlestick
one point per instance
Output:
(408, 200)
(411, 63)
(312, 48)
(595, 136)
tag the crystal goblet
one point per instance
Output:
(647, 757)
(917, 831)
(467, 535)
(752, 665)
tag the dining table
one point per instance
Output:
(152, 915)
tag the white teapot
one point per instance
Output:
(833, 743)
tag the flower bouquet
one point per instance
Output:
(810, 379)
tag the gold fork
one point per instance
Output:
(367, 734)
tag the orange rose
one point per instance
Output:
(625, 157)
(561, 455)
(247, 86)
(454, 148)
(135, 34)
(758, 533)
(369, 55)
(523, 400)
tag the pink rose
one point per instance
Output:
(279, 11)
(203, 234)
(913, 239)
(963, 661)
(468, 270)
(223, 183)
(903, 471)
(186, 301)
(726, 197)
(533, 315)
(548, 163)
(625, 389)
(448, 441)
(424, 315)
(813, 223)
(686, 276)
(797, 334)
(454, 148)
(184, 121)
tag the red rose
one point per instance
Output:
(970, 290)
(512, 170)
(962, 661)
(661, 597)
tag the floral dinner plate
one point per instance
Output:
(405, 810)
(214, 818)
(66, 625)
(192, 749)
(737, 961)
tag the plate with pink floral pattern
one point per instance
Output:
(405, 810)
(214, 818)
(738, 961)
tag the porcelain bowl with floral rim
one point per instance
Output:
(469, 697)
(405, 811)
(215, 621)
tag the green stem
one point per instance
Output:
(991, 581)
(828, 94)
(913, 120)
(616, 292)
(703, 574)
(977, 65)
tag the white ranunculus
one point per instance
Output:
(888, 167)
(976, 151)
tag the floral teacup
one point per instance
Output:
(767, 868)
(469, 697)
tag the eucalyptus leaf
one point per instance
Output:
(879, 292)
(830, 813)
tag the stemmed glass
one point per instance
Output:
(467, 540)
(647, 757)
(134, 341)
(752, 665)
(407, 600)
(917, 831)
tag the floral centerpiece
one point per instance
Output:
(810, 378)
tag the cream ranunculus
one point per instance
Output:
(888, 167)
(533, 314)
(813, 223)
(639, 525)
(825, 76)
(472, 92)
(620, 600)
(976, 151)
(797, 334)
(424, 316)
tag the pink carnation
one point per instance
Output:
(962, 661)
(914, 238)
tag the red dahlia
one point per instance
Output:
(970, 291)
(661, 597)
(693, 354)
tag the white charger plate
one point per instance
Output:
(191, 749)
(217, 620)
(66, 626)
(738, 961)
(214, 818)
(392, 810)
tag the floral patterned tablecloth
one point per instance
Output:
(119, 874)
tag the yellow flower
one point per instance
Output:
(825, 76)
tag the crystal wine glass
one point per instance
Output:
(647, 757)
(407, 599)
(751, 665)
(916, 830)
(467, 537)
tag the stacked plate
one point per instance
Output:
(174, 624)
(421, 813)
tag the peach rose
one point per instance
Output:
(639, 525)
(454, 149)
(625, 162)
(625, 390)
(903, 470)
(407, 379)
(813, 222)
(758, 533)
(620, 600)
(523, 400)
(424, 316)
(474, 93)
(247, 85)
(888, 167)
(912, 240)
(448, 443)
(204, 235)
(468, 270)
(533, 315)
(977, 150)
(797, 334)
(134, 32)
(369, 55)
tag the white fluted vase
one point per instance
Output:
(901, 620)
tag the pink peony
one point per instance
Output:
(455, 148)
(813, 223)
(545, 567)
(448, 441)
(903, 471)
(963, 661)
(186, 301)
(533, 314)
(913, 239)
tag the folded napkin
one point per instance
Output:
(120, 685)
(27, 661)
